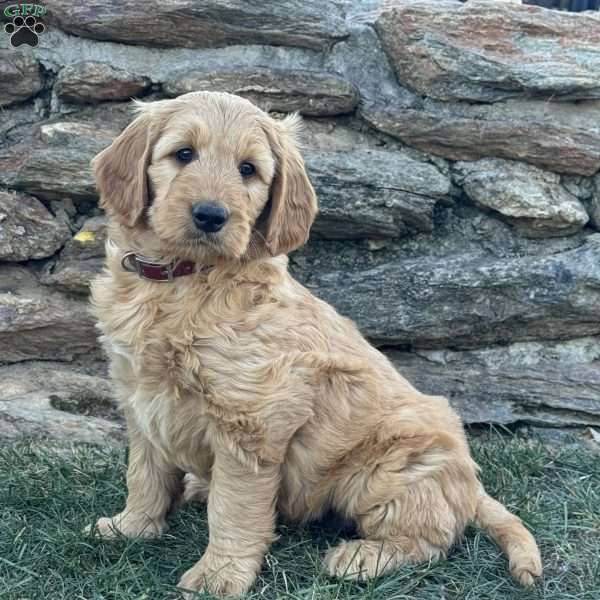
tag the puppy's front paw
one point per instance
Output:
(128, 524)
(223, 576)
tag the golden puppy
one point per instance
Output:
(229, 370)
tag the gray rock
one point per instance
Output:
(580, 187)
(557, 136)
(551, 384)
(490, 51)
(52, 175)
(347, 134)
(20, 76)
(374, 193)
(310, 93)
(57, 162)
(464, 301)
(55, 401)
(81, 259)
(306, 23)
(17, 121)
(460, 230)
(363, 62)
(74, 276)
(36, 324)
(529, 197)
(80, 135)
(91, 82)
(27, 229)
(59, 50)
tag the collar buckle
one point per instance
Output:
(136, 263)
(130, 263)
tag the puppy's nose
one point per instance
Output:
(209, 217)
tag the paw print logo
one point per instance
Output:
(24, 31)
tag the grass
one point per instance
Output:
(47, 496)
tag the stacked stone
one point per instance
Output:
(455, 148)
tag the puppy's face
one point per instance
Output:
(210, 173)
(211, 177)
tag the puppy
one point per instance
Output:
(229, 370)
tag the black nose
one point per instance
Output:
(209, 217)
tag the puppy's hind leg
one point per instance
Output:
(195, 489)
(405, 509)
(196, 485)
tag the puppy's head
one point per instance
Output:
(209, 176)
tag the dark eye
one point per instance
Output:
(247, 169)
(184, 155)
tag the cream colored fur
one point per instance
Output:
(268, 399)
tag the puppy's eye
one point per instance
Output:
(184, 155)
(247, 169)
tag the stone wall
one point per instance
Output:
(455, 148)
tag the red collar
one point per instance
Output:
(154, 271)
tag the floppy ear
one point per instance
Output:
(120, 172)
(293, 202)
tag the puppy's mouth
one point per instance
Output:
(226, 243)
(201, 238)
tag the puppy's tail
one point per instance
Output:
(508, 531)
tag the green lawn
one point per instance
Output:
(48, 496)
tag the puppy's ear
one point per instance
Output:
(293, 202)
(120, 172)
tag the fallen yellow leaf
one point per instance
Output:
(85, 236)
